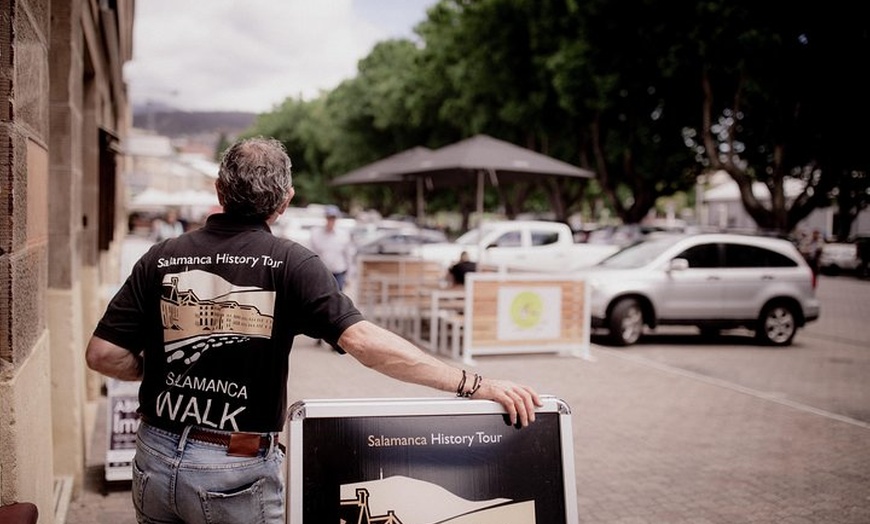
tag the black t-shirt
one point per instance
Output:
(459, 269)
(214, 313)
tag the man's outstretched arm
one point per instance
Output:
(392, 355)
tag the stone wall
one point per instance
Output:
(61, 95)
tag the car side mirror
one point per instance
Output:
(678, 264)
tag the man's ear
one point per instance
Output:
(290, 194)
(217, 189)
(283, 207)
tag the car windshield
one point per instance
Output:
(470, 237)
(637, 255)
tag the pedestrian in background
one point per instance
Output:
(458, 270)
(333, 246)
(207, 320)
(169, 226)
(811, 249)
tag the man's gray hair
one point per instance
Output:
(254, 177)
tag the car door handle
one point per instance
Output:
(767, 277)
(713, 278)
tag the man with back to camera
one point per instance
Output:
(206, 321)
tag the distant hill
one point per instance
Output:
(175, 123)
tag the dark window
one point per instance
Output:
(703, 255)
(509, 239)
(543, 238)
(738, 255)
(108, 173)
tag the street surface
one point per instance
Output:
(825, 370)
(677, 429)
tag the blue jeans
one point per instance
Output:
(340, 279)
(180, 480)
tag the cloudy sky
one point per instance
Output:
(231, 55)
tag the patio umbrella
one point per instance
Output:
(480, 157)
(389, 170)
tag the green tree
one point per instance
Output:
(779, 102)
(300, 125)
(617, 75)
(852, 195)
(482, 71)
(370, 119)
(646, 94)
(222, 145)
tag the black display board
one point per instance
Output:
(425, 461)
(122, 422)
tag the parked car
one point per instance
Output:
(401, 242)
(713, 281)
(519, 245)
(837, 257)
(298, 227)
(367, 230)
(863, 247)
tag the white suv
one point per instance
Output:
(713, 281)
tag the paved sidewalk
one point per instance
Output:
(652, 445)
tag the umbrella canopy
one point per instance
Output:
(387, 170)
(480, 157)
(452, 164)
(472, 160)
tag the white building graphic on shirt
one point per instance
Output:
(197, 303)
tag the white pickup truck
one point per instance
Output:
(520, 245)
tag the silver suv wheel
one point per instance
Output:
(626, 322)
(777, 325)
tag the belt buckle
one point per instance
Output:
(244, 444)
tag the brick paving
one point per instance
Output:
(656, 444)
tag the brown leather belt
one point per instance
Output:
(238, 443)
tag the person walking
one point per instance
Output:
(207, 320)
(169, 226)
(811, 249)
(333, 246)
(335, 249)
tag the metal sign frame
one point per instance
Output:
(428, 460)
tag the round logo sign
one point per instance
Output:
(526, 309)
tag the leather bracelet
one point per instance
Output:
(459, 390)
(478, 380)
(475, 385)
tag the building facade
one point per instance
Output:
(720, 206)
(63, 115)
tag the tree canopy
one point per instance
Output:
(646, 94)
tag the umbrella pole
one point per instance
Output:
(421, 204)
(480, 188)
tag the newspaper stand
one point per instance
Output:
(425, 460)
(121, 424)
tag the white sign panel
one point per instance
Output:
(529, 312)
